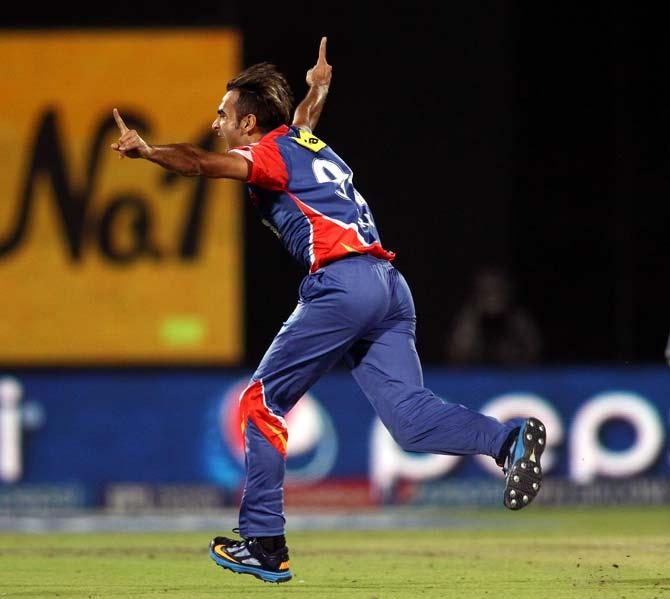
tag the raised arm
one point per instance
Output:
(318, 79)
(184, 159)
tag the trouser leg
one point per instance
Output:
(318, 333)
(386, 366)
(274, 389)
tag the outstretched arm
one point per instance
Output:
(318, 78)
(184, 159)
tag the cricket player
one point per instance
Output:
(353, 306)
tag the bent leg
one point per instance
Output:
(315, 337)
(387, 368)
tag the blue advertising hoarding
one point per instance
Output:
(96, 428)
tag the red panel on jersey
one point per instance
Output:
(254, 408)
(268, 169)
(332, 239)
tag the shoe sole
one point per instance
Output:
(264, 575)
(524, 478)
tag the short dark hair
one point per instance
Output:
(265, 93)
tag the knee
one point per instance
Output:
(246, 401)
(405, 437)
(254, 409)
(408, 419)
(413, 420)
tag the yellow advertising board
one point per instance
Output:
(108, 261)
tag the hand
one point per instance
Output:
(320, 74)
(130, 143)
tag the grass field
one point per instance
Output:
(576, 554)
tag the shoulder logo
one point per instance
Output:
(309, 141)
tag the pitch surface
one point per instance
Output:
(571, 554)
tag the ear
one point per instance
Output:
(248, 123)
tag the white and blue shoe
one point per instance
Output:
(247, 556)
(523, 470)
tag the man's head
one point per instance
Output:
(258, 100)
(493, 291)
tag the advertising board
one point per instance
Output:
(182, 428)
(105, 261)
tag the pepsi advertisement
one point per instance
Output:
(102, 431)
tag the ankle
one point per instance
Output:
(271, 544)
(506, 446)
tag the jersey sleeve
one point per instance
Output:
(268, 167)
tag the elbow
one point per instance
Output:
(195, 168)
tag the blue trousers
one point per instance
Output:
(359, 309)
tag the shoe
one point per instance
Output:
(247, 556)
(523, 470)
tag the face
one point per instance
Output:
(493, 293)
(237, 131)
(226, 124)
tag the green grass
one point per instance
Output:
(576, 554)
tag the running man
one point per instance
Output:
(353, 305)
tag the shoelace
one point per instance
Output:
(245, 541)
(234, 542)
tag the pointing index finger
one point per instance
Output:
(322, 50)
(119, 121)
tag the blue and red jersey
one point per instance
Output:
(305, 193)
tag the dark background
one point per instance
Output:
(531, 136)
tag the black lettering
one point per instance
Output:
(191, 234)
(47, 160)
(140, 227)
